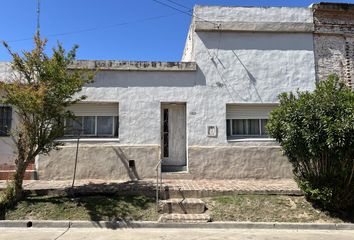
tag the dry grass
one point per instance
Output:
(266, 208)
(93, 208)
(254, 208)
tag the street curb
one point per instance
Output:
(153, 224)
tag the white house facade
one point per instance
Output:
(204, 116)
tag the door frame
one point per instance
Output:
(183, 168)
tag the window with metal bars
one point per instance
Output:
(5, 120)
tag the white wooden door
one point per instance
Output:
(173, 134)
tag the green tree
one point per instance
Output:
(41, 89)
(316, 132)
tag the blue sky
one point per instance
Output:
(110, 29)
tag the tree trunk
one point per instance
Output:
(2, 212)
(18, 179)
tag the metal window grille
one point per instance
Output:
(5, 120)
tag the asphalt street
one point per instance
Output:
(168, 234)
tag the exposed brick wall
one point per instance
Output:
(7, 171)
(334, 40)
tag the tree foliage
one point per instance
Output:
(41, 88)
(316, 132)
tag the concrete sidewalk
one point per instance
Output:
(171, 234)
(190, 188)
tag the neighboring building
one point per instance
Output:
(334, 40)
(204, 116)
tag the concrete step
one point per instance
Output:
(183, 206)
(190, 193)
(176, 175)
(174, 193)
(185, 218)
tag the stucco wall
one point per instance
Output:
(110, 161)
(238, 162)
(188, 51)
(232, 68)
(99, 161)
(256, 67)
(5, 71)
(7, 150)
(254, 14)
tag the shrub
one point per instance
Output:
(7, 199)
(316, 132)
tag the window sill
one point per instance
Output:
(69, 140)
(251, 140)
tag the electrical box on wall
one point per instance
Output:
(212, 131)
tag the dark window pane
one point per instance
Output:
(239, 127)
(89, 125)
(73, 126)
(104, 125)
(116, 126)
(228, 129)
(263, 128)
(253, 127)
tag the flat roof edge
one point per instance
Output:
(237, 6)
(237, 26)
(114, 65)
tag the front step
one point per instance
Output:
(183, 206)
(177, 175)
(185, 218)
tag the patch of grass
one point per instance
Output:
(266, 208)
(93, 208)
(254, 208)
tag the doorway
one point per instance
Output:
(173, 137)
